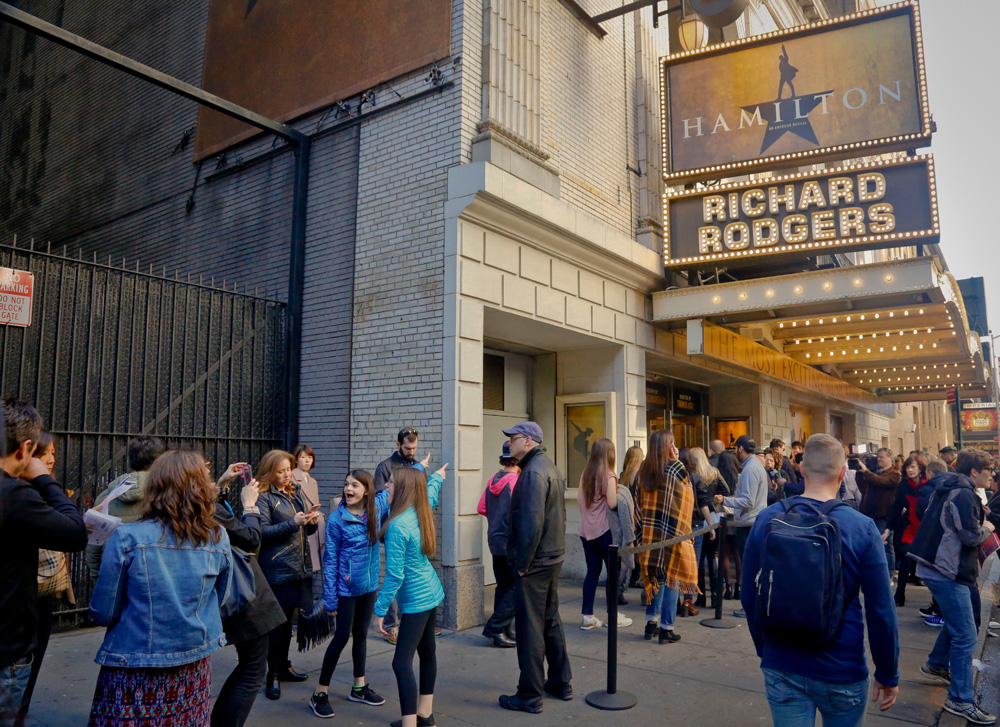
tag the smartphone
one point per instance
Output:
(315, 508)
(247, 474)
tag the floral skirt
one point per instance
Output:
(179, 696)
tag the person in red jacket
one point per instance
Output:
(494, 505)
(903, 520)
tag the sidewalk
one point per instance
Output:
(711, 677)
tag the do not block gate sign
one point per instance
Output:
(16, 289)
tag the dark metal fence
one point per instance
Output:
(114, 351)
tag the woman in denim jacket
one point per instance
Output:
(162, 629)
(285, 521)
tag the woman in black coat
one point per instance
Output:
(248, 630)
(284, 558)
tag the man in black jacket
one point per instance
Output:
(946, 550)
(405, 456)
(536, 548)
(248, 630)
(34, 513)
(725, 462)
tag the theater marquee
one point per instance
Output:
(847, 208)
(824, 90)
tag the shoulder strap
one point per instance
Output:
(830, 505)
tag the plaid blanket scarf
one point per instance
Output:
(666, 513)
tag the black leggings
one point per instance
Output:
(354, 615)
(416, 634)
(289, 597)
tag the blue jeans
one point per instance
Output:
(697, 558)
(664, 603)
(957, 640)
(596, 554)
(13, 682)
(795, 699)
(890, 556)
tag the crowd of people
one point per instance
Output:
(258, 554)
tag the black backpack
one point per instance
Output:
(800, 585)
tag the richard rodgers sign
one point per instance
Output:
(825, 90)
(848, 208)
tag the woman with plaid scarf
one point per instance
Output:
(666, 501)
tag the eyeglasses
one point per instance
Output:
(405, 433)
(515, 437)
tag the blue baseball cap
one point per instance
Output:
(506, 449)
(527, 429)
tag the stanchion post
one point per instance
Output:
(612, 699)
(718, 622)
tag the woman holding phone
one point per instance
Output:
(285, 520)
(410, 542)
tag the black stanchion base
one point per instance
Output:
(719, 623)
(616, 701)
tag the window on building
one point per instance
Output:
(493, 372)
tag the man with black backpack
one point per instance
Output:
(806, 561)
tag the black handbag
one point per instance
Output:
(242, 587)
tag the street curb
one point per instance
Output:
(989, 594)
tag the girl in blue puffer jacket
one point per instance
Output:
(350, 583)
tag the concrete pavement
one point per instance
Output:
(711, 677)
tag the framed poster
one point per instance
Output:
(581, 419)
(728, 431)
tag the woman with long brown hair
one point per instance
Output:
(598, 492)
(162, 629)
(350, 584)
(666, 502)
(410, 543)
(628, 479)
(285, 522)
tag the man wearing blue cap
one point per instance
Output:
(536, 548)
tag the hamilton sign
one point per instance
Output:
(847, 208)
(836, 88)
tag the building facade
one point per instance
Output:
(484, 243)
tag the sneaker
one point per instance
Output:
(995, 624)
(517, 704)
(969, 711)
(934, 621)
(366, 695)
(392, 635)
(740, 613)
(927, 611)
(623, 621)
(590, 623)
(936, 674)
(319, 702)
(421, 722)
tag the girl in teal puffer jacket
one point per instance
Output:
(410, 542)
(350, 584)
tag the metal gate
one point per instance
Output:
(114, 351)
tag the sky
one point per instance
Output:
(962, 57)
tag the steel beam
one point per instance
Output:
(107, 56)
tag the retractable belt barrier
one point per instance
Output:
(611, 698)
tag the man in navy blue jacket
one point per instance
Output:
(832, 678)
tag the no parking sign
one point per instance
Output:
(16, 288)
